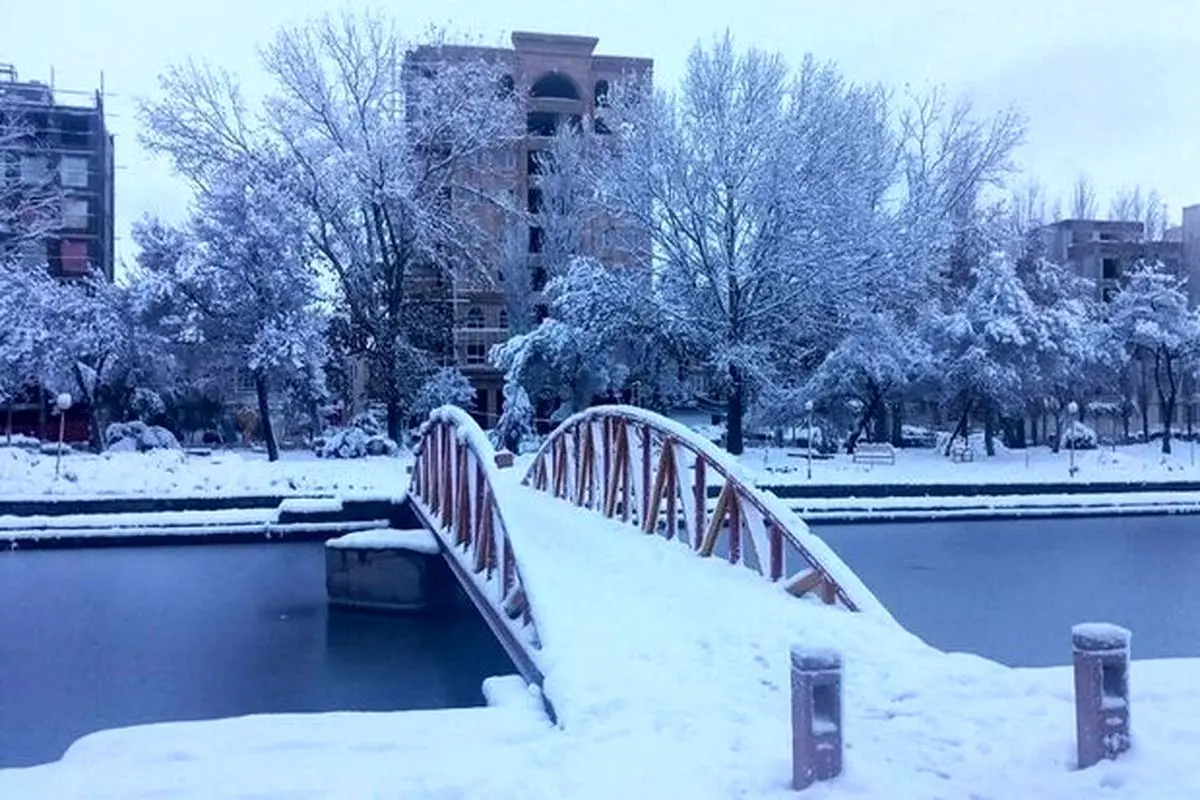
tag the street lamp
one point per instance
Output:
(1072, 410)
(61, 404)
(808, 407)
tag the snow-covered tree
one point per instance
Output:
(874, 364)
(31, 200)
(756, 192)
(516, 420)
(1150, 315)
(379, 137)
(245, 290)
(446, 386)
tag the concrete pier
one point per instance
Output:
(389, 570)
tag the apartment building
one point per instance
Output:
(1104, 250)
(56, 203)
(564, 82)
(54, 144)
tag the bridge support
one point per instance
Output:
(389, 571)
(1101, 691)
(816, 716)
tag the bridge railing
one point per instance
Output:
(453, 487)
(651, 472)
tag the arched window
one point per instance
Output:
(601, 94)
(475, 317)
(554, 84)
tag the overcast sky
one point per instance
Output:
(1110, 87)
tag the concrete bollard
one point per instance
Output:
(504, 459)
(816, 716)
(1101, 691)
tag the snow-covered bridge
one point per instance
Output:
(520, 547)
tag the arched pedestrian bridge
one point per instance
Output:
(507, 537)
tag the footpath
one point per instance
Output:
(845, 503)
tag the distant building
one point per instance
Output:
(56, 164)
(1104, 250)
(64, 147)
(563, 82)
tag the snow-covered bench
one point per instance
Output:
(961, 453)
(874, 453)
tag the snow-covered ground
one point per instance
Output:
(171, 473)
(670, 677)
(1140, 462)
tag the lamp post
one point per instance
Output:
(61, 404)
(808, 407)
(1072, 410)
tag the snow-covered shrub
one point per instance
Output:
(1078, 436)
(363, 437)
(516, 422)
(447, 386)
(138, 437)
(20, 440)
(147, 404)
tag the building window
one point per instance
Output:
(476, 353)
(534, 204)
(540, 312)
(75, 214)
(474, 317)
(1108, 294)
(539, 278)
(1108, 237)
(554, 84)
(73, 172)
(74, 256)
(541, 123)
(1110, 269)
(536, 240)
(503, 319)
(34, 170)
(601, 94)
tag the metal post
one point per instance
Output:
(61, 403)
(1101, 654)
(1072, 411)
(808, 406)
(816, 716)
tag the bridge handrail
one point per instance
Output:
(561, 467)
(453, 484)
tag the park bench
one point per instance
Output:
(874, 453)
(962, 453)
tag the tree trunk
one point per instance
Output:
(864, 420)
(393, 419)
(960, 429)
(264, 416)
(989, 430)
(897, 424)
(735, 413)
(1033, 431)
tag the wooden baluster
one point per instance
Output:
(776, 539)
(672, 487)
(646, 501)
(735, 528)
(700, 496)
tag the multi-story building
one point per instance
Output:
(56, 203)
(1103, 250)
(563, 82)
(64, 152)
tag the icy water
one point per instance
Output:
(1011, 590)
(96, 639)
